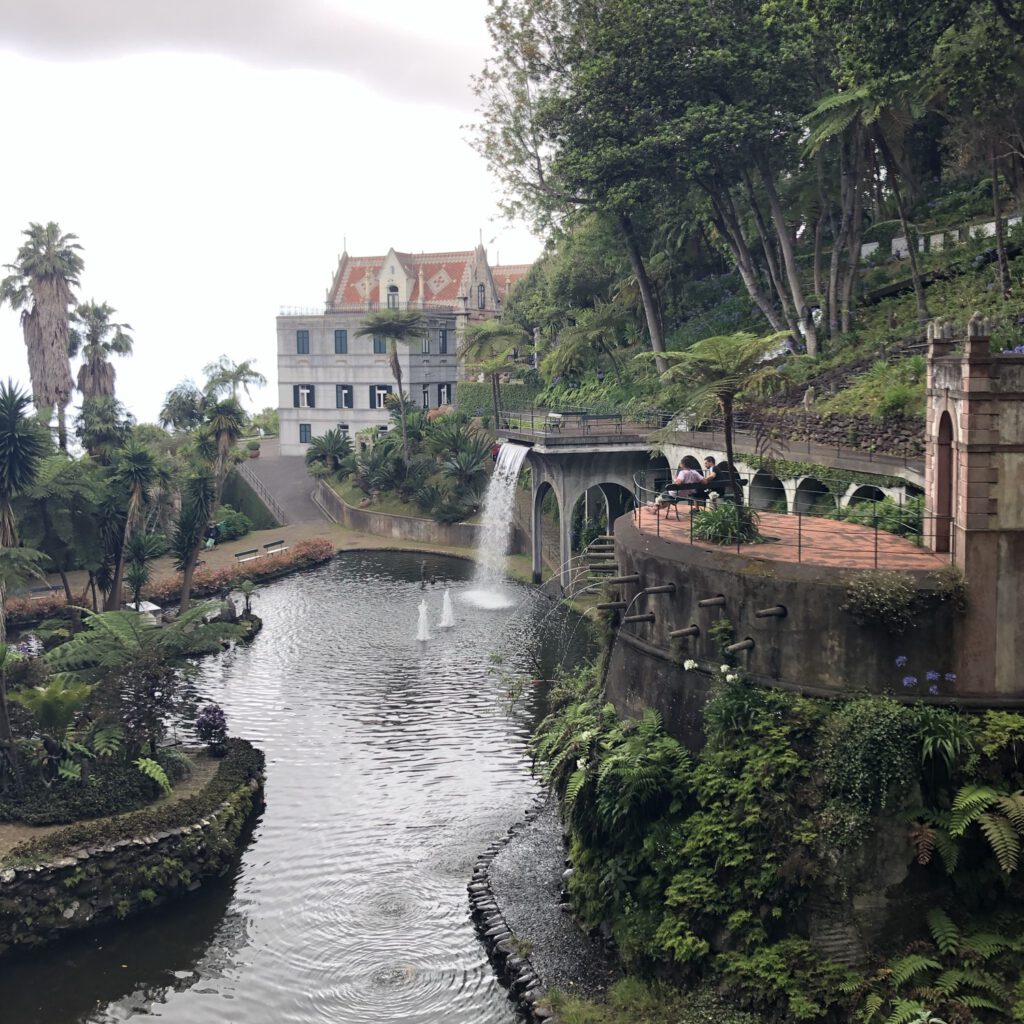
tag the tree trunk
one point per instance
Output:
(652, 310)
(997, 216)
(769, 257)
(186, 577)
(74, 614)
(849, 284)
(495, 401)
(803, 314)
(733, 235)
(396, 370)
(62, 426)
(734, 477)
(893, 175)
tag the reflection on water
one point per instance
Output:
(390, 763)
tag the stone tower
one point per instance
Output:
(974, 494)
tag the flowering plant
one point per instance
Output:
(212, 728)
(932, 677)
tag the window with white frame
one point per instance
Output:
(444, 394)
(304, 396)
(343, 396)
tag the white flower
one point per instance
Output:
(724, 669)
(581, 764)
(731, 678)
(689, 664)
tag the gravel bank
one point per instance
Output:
(526, 881)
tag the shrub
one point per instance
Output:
(232, 524)
(242, 763)
(880, 597)
(726, 523)
(212, 728)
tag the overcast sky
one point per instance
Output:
(212, 156)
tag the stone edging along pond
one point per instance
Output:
(96, 872)
(509, 956)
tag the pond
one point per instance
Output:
(391, 763)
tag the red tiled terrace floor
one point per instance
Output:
(807, 539)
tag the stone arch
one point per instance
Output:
(541, 490)
(856, 494)
(944, 482)
(766, 491)
(812, 496)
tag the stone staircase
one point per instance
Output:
(598, 560)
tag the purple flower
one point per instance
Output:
(909, 681)
(933, 690)
(950, 677)
(932, 676)
(901, 661)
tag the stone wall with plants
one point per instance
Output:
(101, 871)
(474, 397)
(896, 435)
(815, 860)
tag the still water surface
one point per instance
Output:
(390, 765)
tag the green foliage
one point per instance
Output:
(879, 597)
(153, 770)
(726, 523)
(904, 519)
(232, 524)
(55, 705)
(242, 764)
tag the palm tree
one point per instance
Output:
(183, 407)
(39, 285)
(718, 369)
(97, 337)
(136, 472)
(225, 420)
(400, 328)
(329, 449)
(197, 509)
(885, 111)
(23, 444)
(225, 375)
(486, 347)
(103, 425)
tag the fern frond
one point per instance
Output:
(909, 966)
(985, 944)
(1004, 840)
(922, 836)
(949, 850)
(574, 785)
(981, 1003)
(944, 932)
(969, 802)
(154, 771)
(1012, 805)
(872, 1005)
(905, 1010)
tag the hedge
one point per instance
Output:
(241, 764)
(474, 397)
(205, 582)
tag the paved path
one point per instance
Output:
(807, 539)
(285, 477)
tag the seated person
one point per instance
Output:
(687, 482)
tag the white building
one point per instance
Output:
(328, 377)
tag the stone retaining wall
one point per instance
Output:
(510, 959)
(897, 435)
(384, 524)
(41, 902)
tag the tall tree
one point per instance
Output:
(183, 407)
(225, 420)
(226, 376)
(97, 338)
(23, 444)
(487, 347)
(717, 370)
(399, 328)
(39, 285)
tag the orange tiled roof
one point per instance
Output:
(445, 277)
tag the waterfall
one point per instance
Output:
(496, 529)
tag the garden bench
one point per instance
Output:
(275, 546)
(590, 419)
(245, 556)
(35, 593)
(553, 421)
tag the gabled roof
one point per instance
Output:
(446, 276)
(507, 275)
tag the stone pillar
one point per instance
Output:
(536, 533)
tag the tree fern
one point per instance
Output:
(945, 933)
(1012, 805)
